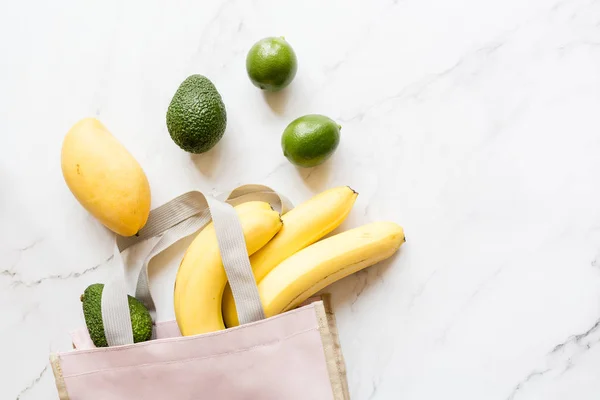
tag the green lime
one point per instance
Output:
(271, 64)
(310, 140)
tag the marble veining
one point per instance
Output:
(474, 124)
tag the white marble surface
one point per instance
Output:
(474, 124)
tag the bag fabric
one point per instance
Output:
(295, 355)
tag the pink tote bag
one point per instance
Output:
(294, 355)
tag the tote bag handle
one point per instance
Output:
(181, 217)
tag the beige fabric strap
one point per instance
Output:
(115, 306)
(178, 218)
(170, 237)
(232, 246)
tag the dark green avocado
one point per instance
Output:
(196, 118)
(141, 321)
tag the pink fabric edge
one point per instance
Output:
(81, 337)
(163, 330)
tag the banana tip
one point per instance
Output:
(353, 191)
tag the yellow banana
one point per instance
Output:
(302, 226)
(319, 265)
(251, 206)
(201, 277)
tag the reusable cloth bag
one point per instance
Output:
(294, 355)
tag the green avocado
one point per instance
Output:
(141, 321)
(196, 118)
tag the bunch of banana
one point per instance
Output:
(288, 265)
(201, 277)
(302, 226)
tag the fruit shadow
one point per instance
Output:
(317, 177)
(277, 100)
(207, 162)
(348, 291)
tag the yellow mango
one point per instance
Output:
(105, 178)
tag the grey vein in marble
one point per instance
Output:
(70, 275)
(529, 377)
(33, 383)
(565, 357)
